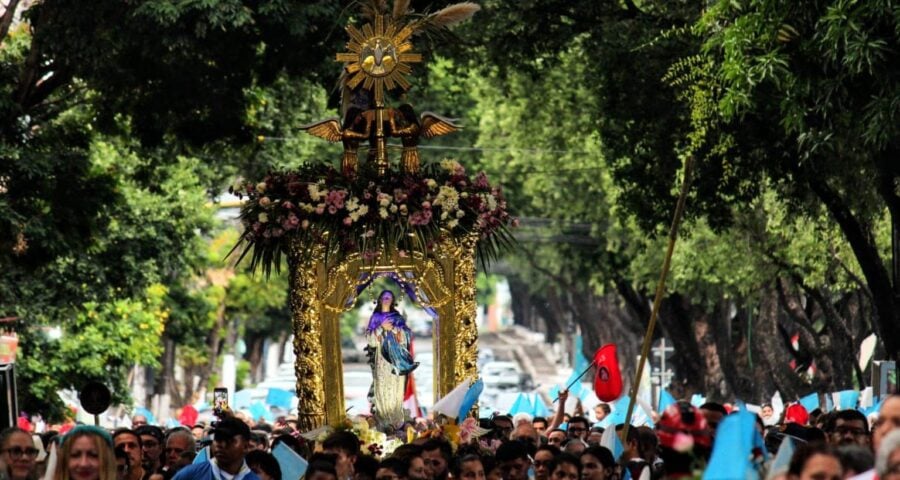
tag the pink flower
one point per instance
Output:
(466, 429)
(481, 181)
(320, 209)
(335, 199)
(348, 221)
(264, 202)
(332, 209)
(422, 217)
(287, 206)
(304, 224)
(426, 205)
(400, 196)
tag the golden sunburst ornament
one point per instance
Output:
(379, 56)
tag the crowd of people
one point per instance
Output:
(829, 446)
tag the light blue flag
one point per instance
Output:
(870, 410)
(617, 415)
(619, 410)
(470, 399)
(202, 456)
(829, 403)
(665, 399)
(782, 458)
(151, 419)
(810, 402)
(848, 399)
(278, 397)
(621, 403)
(581, 363)
(242, 399)
(610, 440)
(521, 405)
(292, 465)
(577, 388)
(737, 440)
(540, 410)
(697, 400)
(258, 410)
(554, 392)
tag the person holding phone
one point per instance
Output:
(231, 439)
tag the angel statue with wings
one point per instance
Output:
(402, 122)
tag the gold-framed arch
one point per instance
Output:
(321, 288)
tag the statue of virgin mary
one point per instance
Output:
(389, 340)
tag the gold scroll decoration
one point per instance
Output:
(320, 292)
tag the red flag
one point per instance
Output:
(410, 402)
(608, 378)
(188, 416)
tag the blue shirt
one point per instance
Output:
(207, 471)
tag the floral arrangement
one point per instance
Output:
(369, 214)
(456, 434)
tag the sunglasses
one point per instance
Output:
(17, 452)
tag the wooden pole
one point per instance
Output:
(660, 289)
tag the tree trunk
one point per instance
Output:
(862, 241)
(255, 357)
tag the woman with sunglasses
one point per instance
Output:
(19, 454)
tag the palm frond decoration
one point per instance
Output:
(453, 14)
(401, 7)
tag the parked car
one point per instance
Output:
(501, 375)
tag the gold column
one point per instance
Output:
(466, 336)
(307, 325)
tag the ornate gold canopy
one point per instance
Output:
(320, 291)
(435, 249)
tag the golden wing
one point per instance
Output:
(434, 125)
(329, 129)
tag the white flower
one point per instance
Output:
(261, 187)
(447, 197)
(314, 192)
(352, 204)
(452, 223)
(491, 202)
(383, 213)
(263, 217)
(432, 183)
(393, 209)
(460, 214)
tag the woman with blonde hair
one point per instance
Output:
(86, 454)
